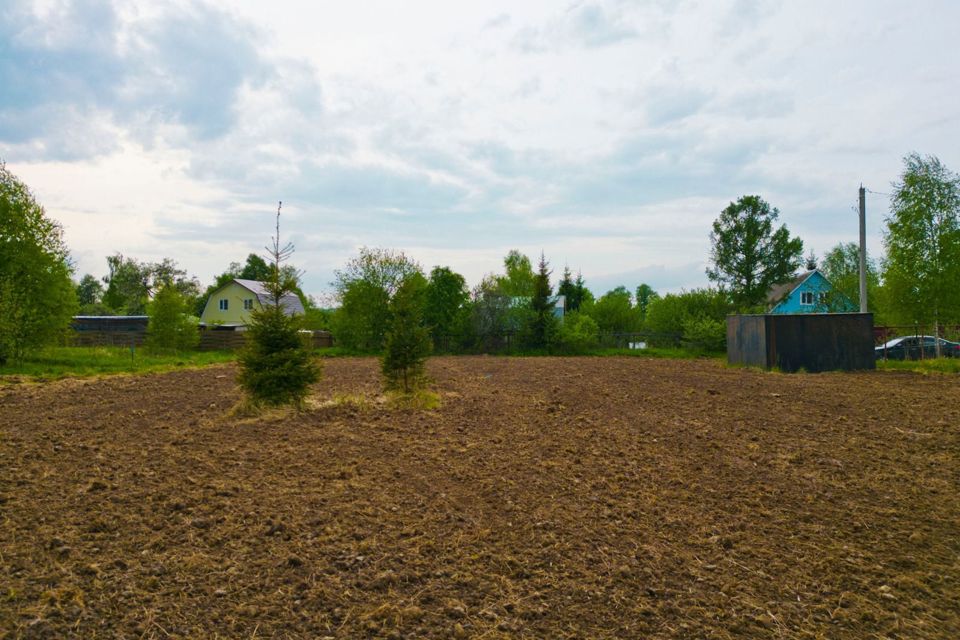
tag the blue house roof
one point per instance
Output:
(810, 292)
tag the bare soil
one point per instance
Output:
(545, 498)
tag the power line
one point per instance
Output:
(878, 193)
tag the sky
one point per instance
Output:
(606, 134)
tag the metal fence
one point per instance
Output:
(131, 331)
(502, 342)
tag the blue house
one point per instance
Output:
(810, 292)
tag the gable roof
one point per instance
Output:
(782, 291)
(290, 302)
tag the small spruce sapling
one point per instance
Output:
(277, 367)
(408, 340)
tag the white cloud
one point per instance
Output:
(608, 134)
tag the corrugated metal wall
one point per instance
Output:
(814, 341)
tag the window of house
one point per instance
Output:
(806, 297)
(248, 304)
(224, 303)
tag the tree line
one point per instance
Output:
(915, 282)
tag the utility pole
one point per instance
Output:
(863, 249)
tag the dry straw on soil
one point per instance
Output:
(544, 498)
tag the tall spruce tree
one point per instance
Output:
(582, 295)
(568, 290)
(543, 323)
(277, 367)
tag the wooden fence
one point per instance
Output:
(210, 340)
(107, 338)
(234, 340)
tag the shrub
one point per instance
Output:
(675, 316)
(578, 333)
(708, 334)
(171, 327)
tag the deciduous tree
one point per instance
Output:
(172, 326)
(518, 279)
(841, 266)
(445, 301)
(613, 312)
(364, 288)
(749, 254)
(922, 269)
(645, 295)
(37, 296)
(131, 284)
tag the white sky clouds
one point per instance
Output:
(608, 134)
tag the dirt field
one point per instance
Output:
(546, 498)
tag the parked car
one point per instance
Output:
(916, 347)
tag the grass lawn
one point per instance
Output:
(928, 365)
(62, 362)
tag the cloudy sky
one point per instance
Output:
(608, 134)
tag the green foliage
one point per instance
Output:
(614, 313)
(567, 288)
(579, 295)
(128, 288)
(131, 283)
(543, 324)
(171, 327)
(749, 256)
(705, 333)
(519, 279)
(925, 366)
(37, 296)
(255, 268)
(445, 304)
(678, 317)
(89, 291)
(361, 322)
(575, 291)
(578, 333)
(841, 266)
(645, 295)
(922, 269)
(60, 362)
(315, 318)
(277, 366)
(365, 287)
(408, 341)
(491, 313)
(385, 269)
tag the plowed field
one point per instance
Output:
(545, 498)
